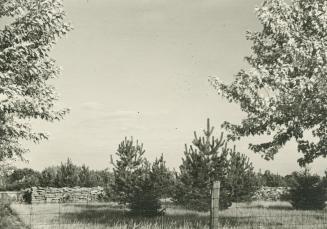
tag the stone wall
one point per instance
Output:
(270, 193)
(15, 196)
(56, 195)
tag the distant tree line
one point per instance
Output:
(64, 175)
(68, 175)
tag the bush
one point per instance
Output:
(308, 192)
(27, 196)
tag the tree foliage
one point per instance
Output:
(283, 92)
(65, 175)
(5, 171)
(241, 180)
(68, 174)
(270, 179)
(309, 192)
(25, 70)
(210, 159)
(128, 168)
(22, 179)
(49, 176)
(138, 183)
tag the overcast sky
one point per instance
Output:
(140, 68)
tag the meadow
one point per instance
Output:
(267, 215)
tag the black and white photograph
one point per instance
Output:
(163, 114)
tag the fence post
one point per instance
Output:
(59, 216)
(215, 205)
(31, 216)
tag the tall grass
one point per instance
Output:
(8, 220)
(266, 215)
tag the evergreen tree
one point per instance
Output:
(137, 183)
(308, 191)
(85, 177)
(272, 180)
(162, 178)
(49, 176)
(241, 178)
(145, 195)
(209, 160)
(203, 163)
(127, 168)
(67, 175)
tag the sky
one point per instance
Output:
(141, 68)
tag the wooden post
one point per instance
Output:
(215, 205)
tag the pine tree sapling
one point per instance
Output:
(137, 183)
(145, 196)
(241, 179)
(203, 163)
(209, 159)
(127, 168)
(308, 192)
(162, 178)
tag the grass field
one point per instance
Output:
(267, 215)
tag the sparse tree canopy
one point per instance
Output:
(26, 68)
(284, 91)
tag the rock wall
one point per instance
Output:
(270, 193)
(13, 196)
(56, 195)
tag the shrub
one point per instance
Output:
(27, 196)
(308, 192)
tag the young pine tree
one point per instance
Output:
(137, 183)
(241, 178)
(203, 163)
(162, 178)
(309, 192)
(67, 174)
(209, 160)
(127, 168)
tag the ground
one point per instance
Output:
(265, 215)
(8, 219)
